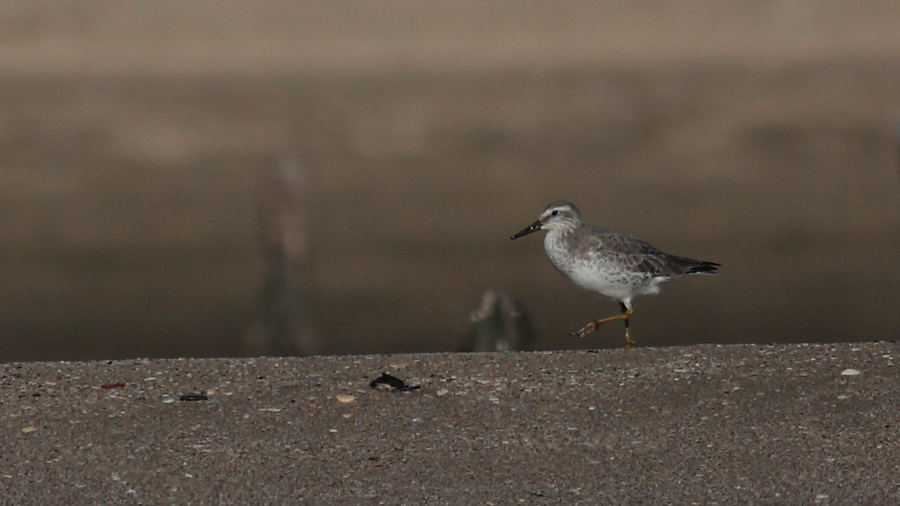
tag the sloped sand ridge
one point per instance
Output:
(792, 424)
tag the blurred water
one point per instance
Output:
(128, 204)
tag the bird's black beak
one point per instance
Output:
(533, 228)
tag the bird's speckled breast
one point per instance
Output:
(561, 250)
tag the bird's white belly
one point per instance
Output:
(615, 285)
(606, 278)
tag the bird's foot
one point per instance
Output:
(590, 327)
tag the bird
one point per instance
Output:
(606, 262)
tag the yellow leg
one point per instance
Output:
(628, 342)
(626, 314)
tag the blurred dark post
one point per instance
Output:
(283, 327)
(500, 324)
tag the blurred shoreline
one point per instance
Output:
(279, 38)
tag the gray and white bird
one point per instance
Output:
(607, 262)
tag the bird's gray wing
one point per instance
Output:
(638, 256)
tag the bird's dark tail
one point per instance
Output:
(701, 267)
(681, 266)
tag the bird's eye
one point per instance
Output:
(554, 213)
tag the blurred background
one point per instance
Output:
(192, 178)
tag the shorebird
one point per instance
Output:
(607, 262)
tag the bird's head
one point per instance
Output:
(558, 215)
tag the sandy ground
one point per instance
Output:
(787, 424)
(131, 159)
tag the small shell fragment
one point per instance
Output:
(345, 399)
(28, 429)
(850, 372)
(193, 396)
